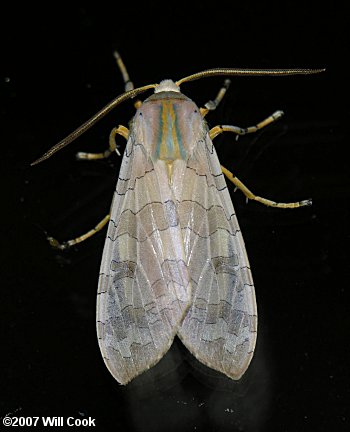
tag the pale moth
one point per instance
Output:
(174, 260)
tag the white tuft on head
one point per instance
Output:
(167, 85)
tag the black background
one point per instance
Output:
(58, 71)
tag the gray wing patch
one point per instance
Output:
(220, 326)
(144, 284)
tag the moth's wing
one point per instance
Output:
(143, 286)
(220, 326)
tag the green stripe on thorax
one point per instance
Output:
(169, 141)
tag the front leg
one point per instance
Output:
(217, 130)
(120, 130)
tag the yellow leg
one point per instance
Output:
(66, 245)
(120, 130)
(212, 105)
(217, 130)
(249, 194)
(128, 84)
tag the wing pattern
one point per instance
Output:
(144, 285)
(220, 326)
(174, 262)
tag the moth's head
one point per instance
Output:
(166, 86)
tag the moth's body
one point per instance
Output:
(174, 260)
(169, 125)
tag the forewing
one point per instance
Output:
(220, 326)
(144, 285)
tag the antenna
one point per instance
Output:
(248, 72)
(94, 119)
(132, 93)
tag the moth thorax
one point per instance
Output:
(166, 86)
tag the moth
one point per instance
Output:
(174, 261)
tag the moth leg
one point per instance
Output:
(120, 130)
(66, 245)
(212, 105)
(128, 84)
(249, 194)
(217, 130)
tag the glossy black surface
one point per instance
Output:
(58, 71)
